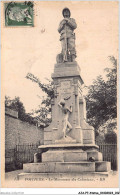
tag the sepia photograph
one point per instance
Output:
(59, 86)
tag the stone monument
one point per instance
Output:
(69, 141)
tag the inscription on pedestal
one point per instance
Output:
(65, 89)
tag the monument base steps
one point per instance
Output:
(64, 156)
(70, 155)
(59, 167)
(71, 161)
(64, 167)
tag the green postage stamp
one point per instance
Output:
(19, 13)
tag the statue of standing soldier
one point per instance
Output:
(67, 38)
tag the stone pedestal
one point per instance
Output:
(68, 86)
(75, 152)
(67, 160)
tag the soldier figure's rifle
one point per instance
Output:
(65, 54)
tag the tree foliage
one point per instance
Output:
(47, 88)
(17, 105)
(111, 137)
(102, 97)
(43, 113)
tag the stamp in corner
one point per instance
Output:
(19, 13)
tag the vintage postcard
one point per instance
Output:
(59, 94)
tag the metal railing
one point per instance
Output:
(15, 158)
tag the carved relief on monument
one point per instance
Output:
(64, 89)
(66, 112)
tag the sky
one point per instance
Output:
(34, 49)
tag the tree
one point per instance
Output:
(17, 105)
(102, 98)
(111, 137)
(109, 126)
(44, 111)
